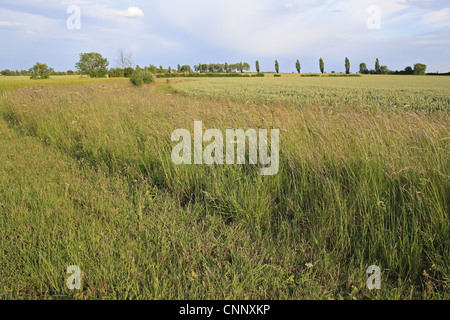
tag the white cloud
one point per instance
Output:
(439, 18)
(289, 6)
(9, 24)
(131, 12)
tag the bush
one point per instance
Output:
(137, 79)
(277, 75)
(202, 75)
(116, 73)
(128, 72)
(344, 75)
(147, 77)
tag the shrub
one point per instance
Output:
(116, 73)
(202, 75)
(344, 75)
(128, 72)
(277, 75)
(147, 77)
(137, 79)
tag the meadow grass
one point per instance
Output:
(10, 83)
(87, 180)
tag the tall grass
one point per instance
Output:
(357, 186)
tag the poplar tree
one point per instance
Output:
(297, 65)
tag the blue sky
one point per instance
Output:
(171, 32)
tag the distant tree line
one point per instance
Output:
(95, 65)
(419, 69)
(28, 72)
(438, 74)
(184, 69)
(222, 67)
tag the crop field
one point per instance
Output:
(375, 92)
(87, 179)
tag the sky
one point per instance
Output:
(169, 32)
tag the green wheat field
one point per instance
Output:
(86, 179)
